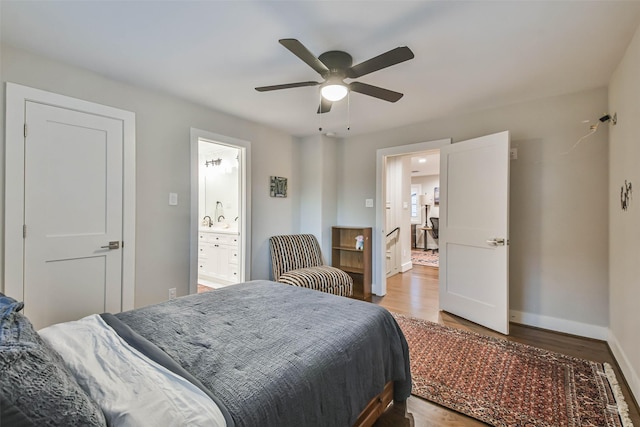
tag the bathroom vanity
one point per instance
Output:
(218, 255)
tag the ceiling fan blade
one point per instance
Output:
(303, 53)
(375, 91)
(286, 86)
(387, 59)
(325, 106)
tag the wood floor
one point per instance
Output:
(415, 293)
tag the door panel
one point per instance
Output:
(76, 284)
(73, 208)
(474, 211)
(84, 208)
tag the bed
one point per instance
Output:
(258, 353)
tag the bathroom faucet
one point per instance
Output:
(221, 216)
(210, 222)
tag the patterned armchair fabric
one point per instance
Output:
(296, 260)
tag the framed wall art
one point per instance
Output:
(278, 186)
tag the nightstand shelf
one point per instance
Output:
(355, 262)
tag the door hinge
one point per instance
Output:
(25, 130)
(122, 246)
(24, 231)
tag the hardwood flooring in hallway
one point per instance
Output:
(415, 293)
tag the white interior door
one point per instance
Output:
(73, 210)
(474, 230)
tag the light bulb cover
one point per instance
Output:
(334, 92)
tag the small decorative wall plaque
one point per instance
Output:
(278, 186)
(625, 195)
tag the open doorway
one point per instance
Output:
(218, 207)
(220, 211)
(425, 208)
(400, 208)
(473, 274)
(411, 204)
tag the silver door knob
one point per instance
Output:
(498, 241)
(112, 245)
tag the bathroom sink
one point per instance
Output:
(221, 227)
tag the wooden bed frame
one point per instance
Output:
(375, 407)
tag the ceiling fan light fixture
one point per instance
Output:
(334, 66)
(334, 92)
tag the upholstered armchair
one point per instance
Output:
(297, 260)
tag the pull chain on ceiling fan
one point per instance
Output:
(335, 66)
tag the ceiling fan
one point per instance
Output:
(335, 66)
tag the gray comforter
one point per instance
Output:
(277, 355)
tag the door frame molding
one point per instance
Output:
(379, 286)
(245, 202)
(16, 98)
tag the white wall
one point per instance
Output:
(398, 214)
(162, 160)
(624, 226)
(405, 215)
(559, 238)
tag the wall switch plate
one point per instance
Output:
(172, 293)
(513, 154)
(173, 199)
(368, 203)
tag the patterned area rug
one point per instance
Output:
(427, 258)
(504, 383)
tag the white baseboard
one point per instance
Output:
(560, 325)
(406, 266)
(630, 374)
(376, 289)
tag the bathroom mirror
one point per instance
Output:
(219, 184)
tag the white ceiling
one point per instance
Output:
(426, 163)
(469, 55)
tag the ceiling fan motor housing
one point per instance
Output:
(337, 62)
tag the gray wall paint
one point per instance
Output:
(162, 165)
(317, 160)
(558, 223)
(624, 228)
(310, 199)
(558, 266)
(329, 193)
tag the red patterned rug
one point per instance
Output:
(422, 257)
(503, 383)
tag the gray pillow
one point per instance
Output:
(35, 386)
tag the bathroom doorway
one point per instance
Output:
(220, 211)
